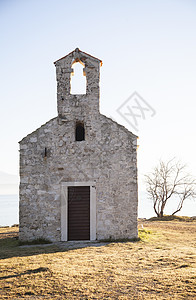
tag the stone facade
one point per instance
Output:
(50, 158)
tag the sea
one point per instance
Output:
(9, 208)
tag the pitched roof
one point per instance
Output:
(78, 50)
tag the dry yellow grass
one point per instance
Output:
(160, 266)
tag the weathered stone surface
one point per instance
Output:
(50, 155)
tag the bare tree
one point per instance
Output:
(169, 180)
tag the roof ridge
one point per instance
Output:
(78, 50)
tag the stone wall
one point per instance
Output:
(50, 155)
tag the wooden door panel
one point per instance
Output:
(78, 213)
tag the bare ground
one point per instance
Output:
(162, 265)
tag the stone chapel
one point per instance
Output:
(78, 172)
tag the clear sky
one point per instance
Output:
(146, 46)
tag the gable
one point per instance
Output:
(121, 127)
(43, 127)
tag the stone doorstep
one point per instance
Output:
(80, 244)
(69, 244)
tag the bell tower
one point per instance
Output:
(71, 105)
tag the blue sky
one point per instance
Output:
(146, 46)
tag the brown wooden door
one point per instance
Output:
(78, 213)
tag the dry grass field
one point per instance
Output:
(162, 265)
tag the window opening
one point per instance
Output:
(78, 79)
(80, 132)
(45, 152)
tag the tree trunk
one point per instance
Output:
(161, 214)
(179, 207)
(157, 213)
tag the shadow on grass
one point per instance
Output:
(10, 247)
(34, 271)
(34, 242)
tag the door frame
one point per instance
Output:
(64, 208)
